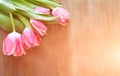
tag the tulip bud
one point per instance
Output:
(12, 44)
(42, 10)
(38, 26)
(28, 38)
(63, 14)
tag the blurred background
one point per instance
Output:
(88, 46)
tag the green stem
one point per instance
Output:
(12, 22)
(24, 20)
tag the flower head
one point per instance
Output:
(12, 44)
(28, 38)
(63, 14)
(39, 26)
(42, 10)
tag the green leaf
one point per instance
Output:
(7, 6)
(23, 4)
(53, 1)
(5, 23)
(36, 16)
(46, 3)
(39, 4)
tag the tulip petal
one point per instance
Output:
(8, 46)
(42, 10)
(39, 26)
(19, 50)
(28, 38)
(63, 14)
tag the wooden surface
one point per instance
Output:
(88, 46)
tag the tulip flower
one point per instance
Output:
(28, 38)
(63, 14)
(42, 10)
(38, 26)
(29, 21)
(12, 44)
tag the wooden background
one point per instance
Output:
(88, 46)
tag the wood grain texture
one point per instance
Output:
(88, 46)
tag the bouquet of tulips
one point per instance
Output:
(26, 20)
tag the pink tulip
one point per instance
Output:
(29, 38)
(38, 26)
(12, 45)
(42, 10)
(63, 14)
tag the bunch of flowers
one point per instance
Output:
(26, 20)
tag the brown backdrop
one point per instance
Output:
(88, 46)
